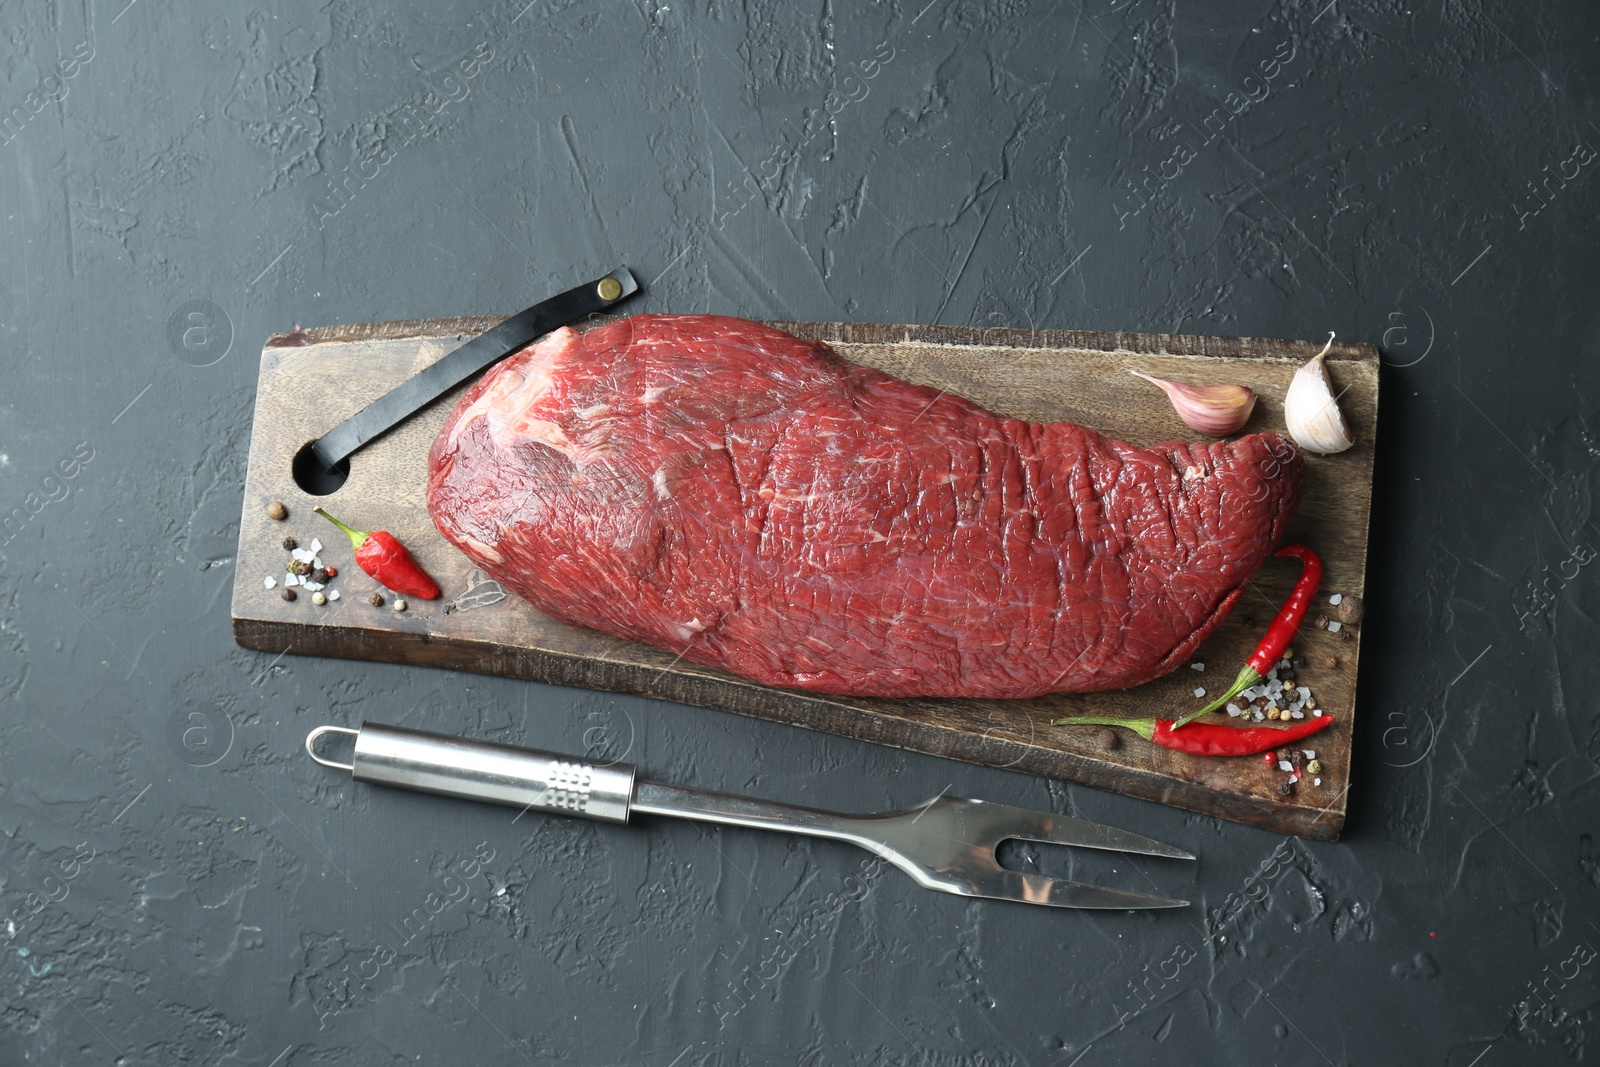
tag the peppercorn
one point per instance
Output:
(1349, 610)
(299, 566)
(1320, 622)
(276, 511)
(399, 604)
(289, 594)
(1107, 739)
(333, 572)
(1314, 766)
(1286, 788)
(320, 575)
(290, 544)
(318, 598)
(376, 600)
(1299, 662)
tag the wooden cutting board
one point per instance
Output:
(313, 379)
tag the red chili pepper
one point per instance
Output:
(1210, 739)
(381, 555)
(1279, 633)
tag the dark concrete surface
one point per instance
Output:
(181, 885)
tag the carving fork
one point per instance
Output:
(947, 844)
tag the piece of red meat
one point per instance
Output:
(748, 499)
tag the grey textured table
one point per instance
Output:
(177, 181)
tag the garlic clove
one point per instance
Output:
(1311, 409)
(1217, 410)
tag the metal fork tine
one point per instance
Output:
(1060, 893)
(1051, 829)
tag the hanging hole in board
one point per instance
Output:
(311, 476)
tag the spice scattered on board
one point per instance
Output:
(304, 569)
(277, 511)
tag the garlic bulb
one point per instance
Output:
(1217, 410)
(1312, 410)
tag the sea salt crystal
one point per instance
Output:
(316, 546)
(1308, 753)
(290, 578)
(1316, 781)
(1197, 666)
(271, 583)
(1199, 692)
(313, 586)
(1336, 599)
(1258, 716)
(1335, 627)
(1285, 765)
(1305, 692)
(1235, 710)
(334, 595)
(303, 555)
(1297, 715)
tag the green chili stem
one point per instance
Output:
(1247, 678)
(1145, 728)
(357, 537)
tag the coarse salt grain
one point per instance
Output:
(290, 578)
(303, 555)
(1316, 781)
(1297, 715)
(1336, 599)
(1308, 753)
(1285, 765)
(313, 586)
(1199, 692)
(1235, 710)
(1257, 715)
(1335, 627)
(1197, 666)
(271, 583)
(333, 594)
(316, 546)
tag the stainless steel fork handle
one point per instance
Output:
(479, 770)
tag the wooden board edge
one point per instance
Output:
(871, 333)
(730, 694)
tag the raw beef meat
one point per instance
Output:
(751, 501)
